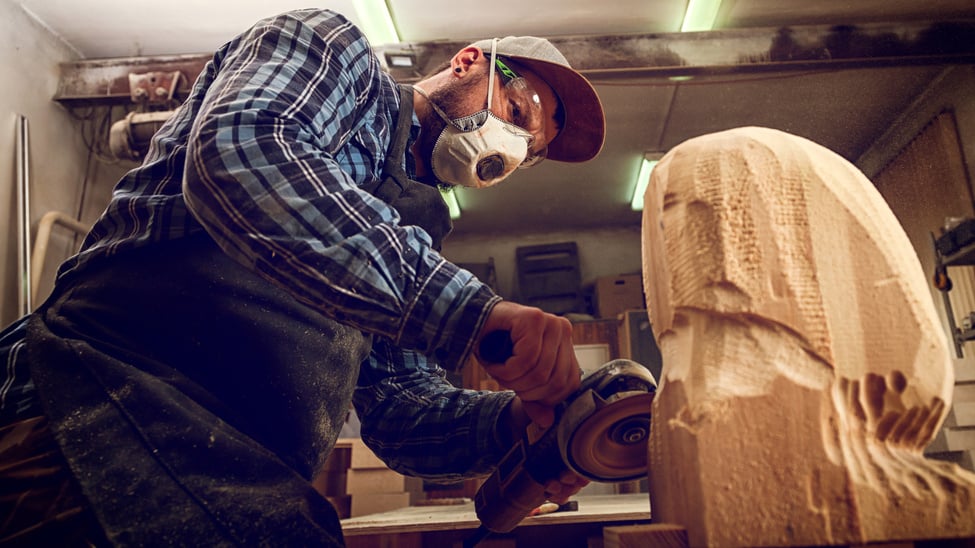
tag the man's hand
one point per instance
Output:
(543, 370)
(568, 484)
(558, 490)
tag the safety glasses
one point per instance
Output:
(525, 108)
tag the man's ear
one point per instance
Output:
(465, 59)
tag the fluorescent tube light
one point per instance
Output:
(642, 180)
(700, 15)
(376, 22)
(450, 196)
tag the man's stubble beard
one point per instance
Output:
(450, 98)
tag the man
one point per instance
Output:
(271, 256)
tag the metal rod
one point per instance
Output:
(39, 255)
(949, 312)
(24, 300)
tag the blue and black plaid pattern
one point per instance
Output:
(267, 155)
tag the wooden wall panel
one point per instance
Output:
(924, 185)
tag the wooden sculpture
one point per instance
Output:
(805, 368)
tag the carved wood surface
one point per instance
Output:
(805, 368)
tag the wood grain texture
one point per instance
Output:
(805, 368)
(597, 508)
(654, 535)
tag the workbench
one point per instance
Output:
(424, 526)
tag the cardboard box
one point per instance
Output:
(378, 502)
(615, 294)
(338, 459)
(374, 480)
(330, 480)
(637, 342)
(330, 483)
(363, 457)
(342, 505)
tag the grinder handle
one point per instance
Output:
(510, 493)
(495, 347)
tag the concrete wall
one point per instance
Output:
(951, 90)
(29, 59)
(65, 176)
(601, 253)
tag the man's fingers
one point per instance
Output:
(541, 415)
(561, 489)
(543, 369)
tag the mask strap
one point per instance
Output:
(436, 109)
(494, 44)
(441, 113)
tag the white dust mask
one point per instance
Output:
(479, 150)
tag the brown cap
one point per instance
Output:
(582, 135)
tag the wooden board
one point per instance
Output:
(362, 456)
(597, 508)
(656, 535)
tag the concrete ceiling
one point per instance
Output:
(842, 104)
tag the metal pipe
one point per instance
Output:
(44, 228)
(24, 300)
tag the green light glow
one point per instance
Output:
(376, 22)
(700, 15)
(450, 196)
(642, 180)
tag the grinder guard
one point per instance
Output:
(600, 434)
(603, 431)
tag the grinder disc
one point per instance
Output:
(610, 445)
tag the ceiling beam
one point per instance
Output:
(601, 57)
(741, 50)
(107, 82)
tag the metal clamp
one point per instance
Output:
(152, 88)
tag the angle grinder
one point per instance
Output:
(600, 433)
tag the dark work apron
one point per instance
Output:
(192, 399)
(417, 203)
